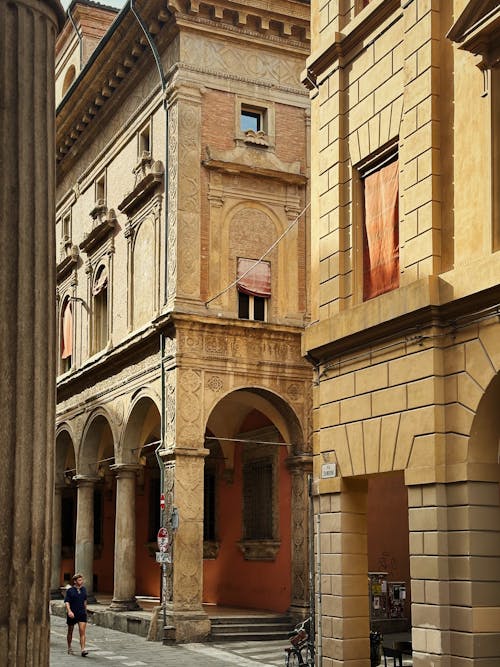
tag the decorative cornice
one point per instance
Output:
(68, 263)
(104, 224)
(254, 160)
(149, 176)
(477, 30)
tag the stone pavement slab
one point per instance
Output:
(110, 647)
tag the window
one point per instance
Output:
(144, 141)
(100, 190)
(254, 122)
(100, 309)
(380, 228)
(66, 335)
(254, 289)
(66, 227)
(251, 120)
(209, 504)
(258, 499)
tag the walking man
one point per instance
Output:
(76, 610)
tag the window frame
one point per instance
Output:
(376, 161)
(265, 137)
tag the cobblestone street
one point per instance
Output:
(109, 647)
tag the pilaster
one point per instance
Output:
(300, 468)
(184, 112)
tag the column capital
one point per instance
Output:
(301, 463)
(125, 469)
(86, 480)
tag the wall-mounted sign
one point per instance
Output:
(328, 470)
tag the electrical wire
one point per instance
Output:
(258, 261)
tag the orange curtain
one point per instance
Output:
(258, 281)
(67, 332)
(381, 233)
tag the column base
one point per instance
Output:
(299, 612)
(124, 605)
(180, 626)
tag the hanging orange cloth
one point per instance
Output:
(381, 233)
(67, 332)
(257, 282)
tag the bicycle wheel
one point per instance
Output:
(309, 655)
(294, 659)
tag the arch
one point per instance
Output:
(143, 426)
(273, 406)
(484, 441)
(65, 455)
(98, 442)
(69, 77)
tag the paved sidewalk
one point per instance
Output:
(109, 647)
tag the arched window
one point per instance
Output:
(66, 335)
(100, 309)
(69, 77)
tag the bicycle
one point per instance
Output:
(301, 651)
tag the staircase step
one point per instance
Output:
(250, 628)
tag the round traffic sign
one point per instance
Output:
(163, 539)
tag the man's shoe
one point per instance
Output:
(85, 654)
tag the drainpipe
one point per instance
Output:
(312, 610)
(163, 81)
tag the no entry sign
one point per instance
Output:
(163, 540)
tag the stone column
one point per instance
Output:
(84, 543)
(455, 572)
(55, 572)
(344, 575)
(300, 468)
(27, 331)
(188, 616)
(124, 574)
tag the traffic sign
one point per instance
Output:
(162, 501)
(163, 540)
(163, 557)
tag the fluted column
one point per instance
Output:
(124, 574)
(27, 325)
(84, 543)
(55, 571)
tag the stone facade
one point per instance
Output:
(408, 380)
(160, 191)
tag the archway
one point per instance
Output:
(252, 436)
(95, 518)
(141, 439)
(63, 533)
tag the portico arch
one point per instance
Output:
(256, 446)
(64, 513)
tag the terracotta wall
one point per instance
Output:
(229, 579)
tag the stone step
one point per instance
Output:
(250, 628)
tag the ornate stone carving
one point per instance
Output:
(148, 176)
(215, 384)
(103, 223)
(259, 549)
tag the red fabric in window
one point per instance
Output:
(67, 332)
(381, 237)
(257, 282)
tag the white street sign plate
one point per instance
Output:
(162, 557)
(328, 470)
